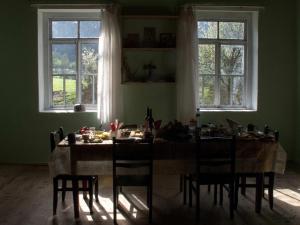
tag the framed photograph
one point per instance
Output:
(149, 37)
(167, 40)
(132, 40)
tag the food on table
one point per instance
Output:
(101, 135)
(137, 133)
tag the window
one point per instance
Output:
(227, 64)
(68, 58)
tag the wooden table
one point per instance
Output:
(252, 156)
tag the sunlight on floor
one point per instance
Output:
(288, 196)
(107, 205)
(139, 201)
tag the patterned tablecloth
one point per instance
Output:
(174, 158)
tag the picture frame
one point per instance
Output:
(167, 40)
(149, 37)
(132, 40)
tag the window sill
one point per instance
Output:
(227, 110)
(66, 111)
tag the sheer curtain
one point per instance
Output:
(187, 62)
(109, 99)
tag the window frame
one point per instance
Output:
(45, 41)
(250, 43)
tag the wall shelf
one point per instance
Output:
(150, 17)
(148, 49)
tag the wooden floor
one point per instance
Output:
(26, 199)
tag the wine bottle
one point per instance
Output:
(146, 123)
(150, 120)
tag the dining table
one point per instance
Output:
(253, 155)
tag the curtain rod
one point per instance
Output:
(224, 6)
(69, 6)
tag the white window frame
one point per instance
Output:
(45, 16)
(250, 19)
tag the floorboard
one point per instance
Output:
(26, 199)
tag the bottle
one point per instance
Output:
(146, 121)
(150, 120)
(198, 118)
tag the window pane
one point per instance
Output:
(58, 91)
(207, 29)
(70, 90)
(207, 84)
(64, 58)
(89, 29)
(64, 29)
(89, 58)
(87, 89)
(237, 91)
(206, 59)
(231, 30)
(225, 90)
(232, 59)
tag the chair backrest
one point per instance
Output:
(216, 152)
(56, 137)
(129, 154)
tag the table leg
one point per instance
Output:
(259, 191)
(73, 161)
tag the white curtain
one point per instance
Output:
(109, 99)
(187, 62)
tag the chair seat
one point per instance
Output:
(76, 177)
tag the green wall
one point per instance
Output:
(25, 131)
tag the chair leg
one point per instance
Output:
(190, 192)
(270, 189)
(148, 196)
(197, 201)
(208, 188)
(55, 187)
(181, 182)
(90, 187)
(231, 199)
(236, 191)
(243, 185)
(150, 203)
(115, 202)
(221, 194)
(96, 189)
(84, 186)
(259, 191)
(64, 185)
(184, 188)
(215, 193)
(75, 197)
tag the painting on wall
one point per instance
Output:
(167, 40)
(149, 37)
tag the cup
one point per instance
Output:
(92, 132)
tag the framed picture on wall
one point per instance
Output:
(167, 40)
(149, 37)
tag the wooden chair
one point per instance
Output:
(132, 156)
(215, 165)
(262, 181)
(64, 179)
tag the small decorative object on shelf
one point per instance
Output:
(150, 67)
(79, 108)
(167, 40)
(149, 37)
(132, 40)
